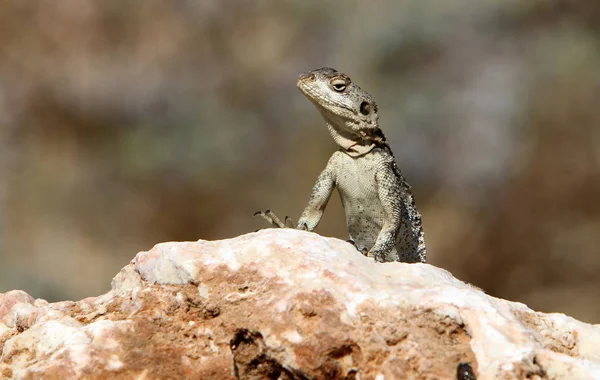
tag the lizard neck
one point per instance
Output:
(352, 145)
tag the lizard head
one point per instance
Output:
(349, 111)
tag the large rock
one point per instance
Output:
(292, 305)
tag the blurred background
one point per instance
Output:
(127, 123)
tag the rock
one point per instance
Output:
(287, 304)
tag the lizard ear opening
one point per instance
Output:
(365, 108)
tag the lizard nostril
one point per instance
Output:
(306, 77)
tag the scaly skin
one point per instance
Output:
(382, 219)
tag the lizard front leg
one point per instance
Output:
(388, 188)
(319, 197)
(313, 212)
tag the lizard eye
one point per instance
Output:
(339, 87)
(365, 108)
(339, 84)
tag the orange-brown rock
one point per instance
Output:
(291, 305)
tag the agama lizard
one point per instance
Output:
(383, 221)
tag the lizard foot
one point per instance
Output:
(270, 217)
(364, 251)
(377, 256)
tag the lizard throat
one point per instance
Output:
(352, 145)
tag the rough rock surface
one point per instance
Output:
(292, 305)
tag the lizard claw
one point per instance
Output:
(378, 257)
(364, 251)
(270, 217)
(288, 222)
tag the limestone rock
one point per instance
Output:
(287, 304)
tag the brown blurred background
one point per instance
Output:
(128, 123)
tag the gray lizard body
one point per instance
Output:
(382, 219)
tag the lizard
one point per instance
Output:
(382, 219)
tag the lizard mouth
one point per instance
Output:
(322, 102)
(329, 108)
